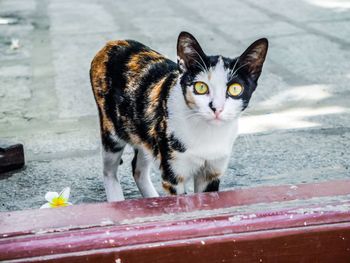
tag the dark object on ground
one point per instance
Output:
(11, 156)
(289, 223)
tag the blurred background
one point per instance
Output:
(296, 130)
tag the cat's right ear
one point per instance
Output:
(189, 53)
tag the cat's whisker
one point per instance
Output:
(234, 66)
(188, 116)
(203, 66)
(201, 60)
(231, 115)
(200, 65)
(193, 115)
(233, 76)
(237, 70)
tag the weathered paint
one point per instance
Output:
(308, 222)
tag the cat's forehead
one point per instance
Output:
(217, 72)
(214, 60)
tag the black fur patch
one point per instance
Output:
(176, 144)
(172, 190)
(109, 144)
(213, 186)
(134, 160)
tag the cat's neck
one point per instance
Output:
(194, 131)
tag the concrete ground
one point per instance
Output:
(296, 130)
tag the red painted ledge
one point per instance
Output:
(303, 223)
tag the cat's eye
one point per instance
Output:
(200, 88)
(235, 89)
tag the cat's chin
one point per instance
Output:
(216, 122)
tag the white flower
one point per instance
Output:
(57, 200)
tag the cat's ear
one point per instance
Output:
(253, 58)
(189, 53)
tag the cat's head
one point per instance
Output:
(217, 88)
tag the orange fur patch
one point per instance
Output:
(136, 62)
(180, 179)
(107, 124)
(134, 139)
(156, 89)
(154, 96)
(190, 100)
(167, 187)
(212, 176)
(152, 131)
(98, 81)
(98, 65)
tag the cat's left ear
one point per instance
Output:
(189, 53)
(253, 58)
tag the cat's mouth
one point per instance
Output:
(220, 120)
(215, 120)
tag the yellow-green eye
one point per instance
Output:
(200, 88)
(235, 89)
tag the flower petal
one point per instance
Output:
(47, 205)
(50, 195)
(65, 193)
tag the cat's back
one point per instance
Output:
(126, 65)
(131, 83)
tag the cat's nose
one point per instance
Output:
(216, 111)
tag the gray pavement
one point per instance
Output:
(296, 130)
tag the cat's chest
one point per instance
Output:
(199, 150)
(206, 143)
(208, 147)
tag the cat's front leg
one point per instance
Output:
(173, 183)
(141, 166)
(208, 177)
(176, 188)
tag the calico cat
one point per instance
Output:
(184, 115)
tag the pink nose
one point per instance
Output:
(217, 113)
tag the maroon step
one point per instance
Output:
(302, 223)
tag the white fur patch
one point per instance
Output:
(113, 188)
(142, 174)
(205, 138)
